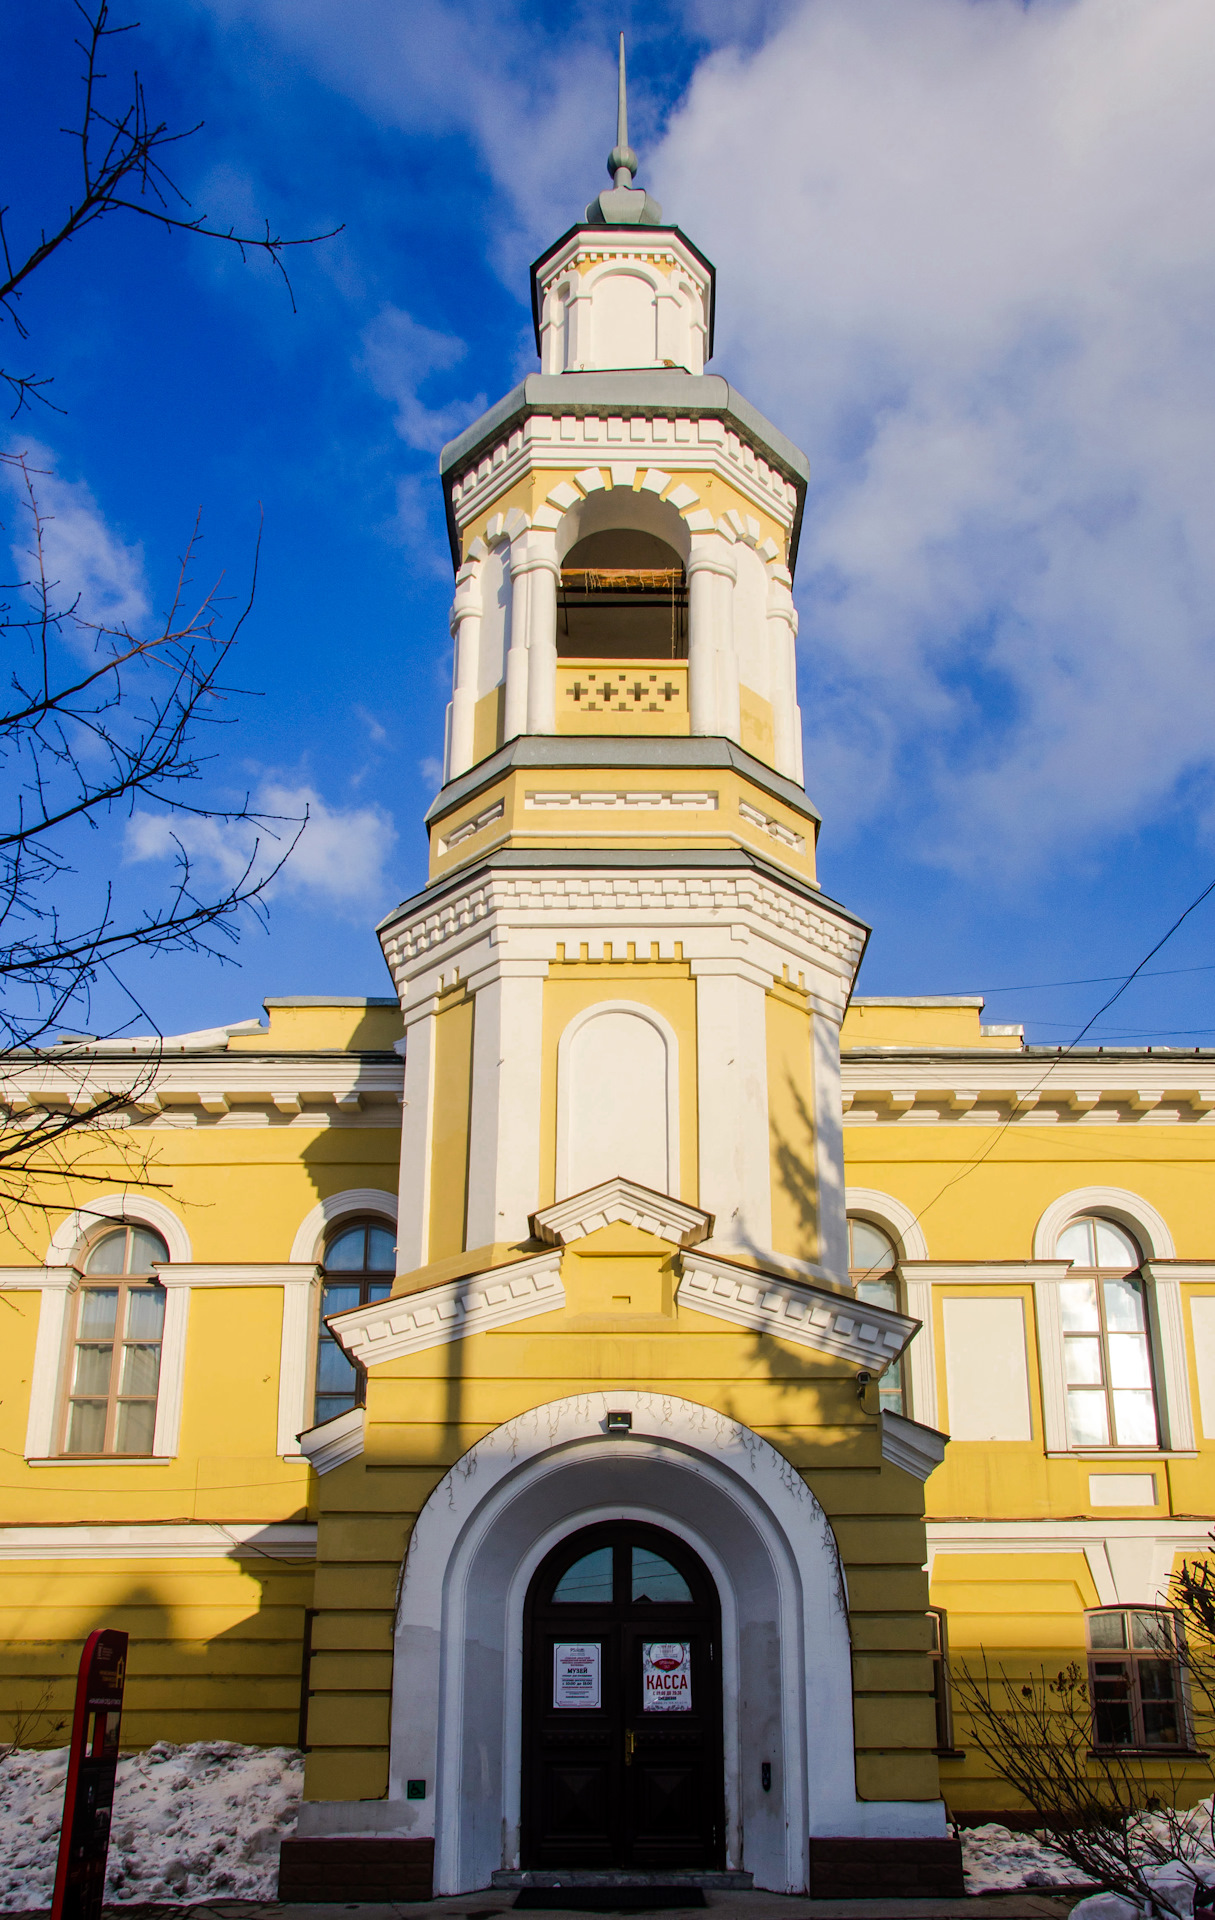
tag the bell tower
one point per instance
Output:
(622, 964)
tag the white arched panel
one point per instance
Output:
(624, 320)
(618, 1099)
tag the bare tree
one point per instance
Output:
(122, 170)
(1112, 1814)
(95, 719)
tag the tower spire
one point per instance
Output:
(623, 204)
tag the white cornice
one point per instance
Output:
(992, 1273)
(227, 1091)
(621, 1200)
(335, 1441)
(976, 1091)
(411, 1322)
(555, 902)
(852, 1330)
(911, 1445)
(157, 1541)
(210, 1274)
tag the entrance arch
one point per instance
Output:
(786, 1659)
(622, 1704)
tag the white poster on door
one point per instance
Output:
(576, 1673)
(666, 1676)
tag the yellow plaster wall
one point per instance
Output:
(215, 1648)
(306, 1028)
(757, 725)
(449, 1123)
(620, 1325)
(648, 698)
(955, 1024)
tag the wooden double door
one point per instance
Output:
(622, 1747)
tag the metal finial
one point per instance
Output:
(622, 161)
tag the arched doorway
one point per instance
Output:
(622, 1704)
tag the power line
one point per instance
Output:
(1094, 980)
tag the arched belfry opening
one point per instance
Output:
(623, 596)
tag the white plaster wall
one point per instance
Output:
(495, 618)
(616, 1086)
(986, 1370)
(623, 322)
(751, 639)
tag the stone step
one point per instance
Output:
(515, 1877)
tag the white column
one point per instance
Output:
(537, 557)
(712, 697)
(732, 1099)
(1049, 1317)
(782, 654)
(58, 1286)
(413, 1205)
(295, 1361)
(1172, 1370)
(515, 717)
(504, 1124)
(466, 632)
(921, 1357)
(829, 1147)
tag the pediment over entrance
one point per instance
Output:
(622, 1200)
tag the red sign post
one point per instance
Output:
(88, 1797)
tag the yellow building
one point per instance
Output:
(525, 1390)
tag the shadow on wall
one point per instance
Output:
(189, 1676)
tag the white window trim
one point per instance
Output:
(919, 1366)
(1165, 1321)
(301, 1293)
(309, 1241)
(60, 1278)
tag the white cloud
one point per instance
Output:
(964, 256)
(86, 562)
(340, 856)
(399, 356)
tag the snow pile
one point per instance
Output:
(997, 1861)
(190, 1822)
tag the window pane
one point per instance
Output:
(86, 1427)
(1078, 1303)
(1087, 1422)
(329, 1405)
(656, 1579)
(146, 1247)
(870, 1246)
(1135, 1419)
(140, 1369)
(890, 1389)
(93, 1365)
(108, 1255)
(1111, 1689)
(1107, 1629)
(378, 1290)
(588, 1580)
(334, 1372)
(879, 1293)
(1076, 1243)
(1129, 1365)
(136, 1425)
(145, 1313)
(1124, 1306)
(1153, 1631)
(1114, 1247)
(98, 1308)
(1082, 1359)
(336, 1299)
(345, 1252)
(381, 1250)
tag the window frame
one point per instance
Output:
(124, 1284)
(1098, 1276)
(859, 1275)
(366, 1278)
(1131, 1657)
(942, 1692)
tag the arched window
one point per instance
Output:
(1111, 1395)
(872, 1260)
(624, 596)
(359, 1264)
(114, 1374)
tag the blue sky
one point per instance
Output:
(965, 260)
